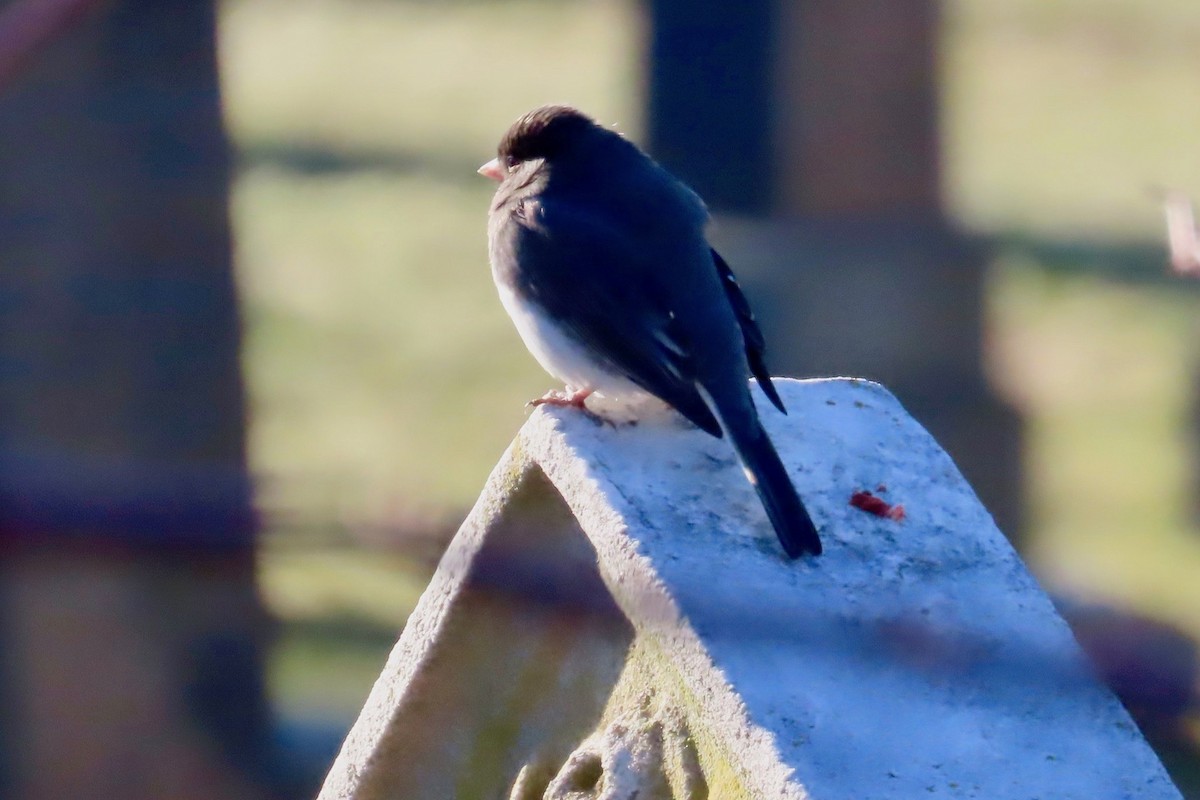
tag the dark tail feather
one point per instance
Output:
(766, 472)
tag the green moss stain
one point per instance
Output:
(652, 691)
(496, 738)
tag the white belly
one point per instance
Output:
(559, 354)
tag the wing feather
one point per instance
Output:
(599, 285)
(755, 343)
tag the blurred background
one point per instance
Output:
(253, 371)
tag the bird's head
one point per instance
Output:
(546, 134)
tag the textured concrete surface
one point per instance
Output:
(915, 657)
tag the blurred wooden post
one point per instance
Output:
(829, 203)
(131, 632)
(711, 98)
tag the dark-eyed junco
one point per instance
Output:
(601, 260)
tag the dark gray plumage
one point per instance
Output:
(601, 260)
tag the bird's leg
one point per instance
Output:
(572, 398)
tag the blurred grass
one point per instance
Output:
(342, 611)
(372, 341)
(1102, 374)
(1060, 115)
(386, 380)
(421, 77)
(373, 327)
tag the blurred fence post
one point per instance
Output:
(615, 620)
(812, 130)
(131, 631)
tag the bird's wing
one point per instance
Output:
(600, 285)
(755, 343)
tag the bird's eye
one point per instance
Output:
(510, 162)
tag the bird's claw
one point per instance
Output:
(574, 400)
(561, 399)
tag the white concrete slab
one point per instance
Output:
(915, 658)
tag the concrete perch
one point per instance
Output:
(615, 620)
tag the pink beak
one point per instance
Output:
(493, 170)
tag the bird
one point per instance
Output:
(601, 259)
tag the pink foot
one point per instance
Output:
(570, 399)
